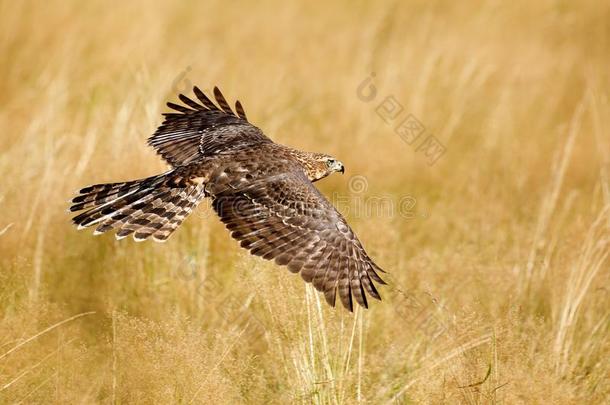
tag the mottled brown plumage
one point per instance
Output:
(262, 192)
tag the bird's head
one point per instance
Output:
(325, 165)
(333, 165)
(317, 165)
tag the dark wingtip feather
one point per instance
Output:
(240, 110)
(189, 102)
(204, 99)
(370, 286)
(347, 300)
(178, 107)
(373, 274)
(331, 296)
(364, 302)
(379, 268)
(222, 102)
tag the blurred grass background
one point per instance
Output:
(498, 284)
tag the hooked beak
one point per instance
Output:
(338, 167)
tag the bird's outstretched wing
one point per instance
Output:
(203, 129)
(287, 219)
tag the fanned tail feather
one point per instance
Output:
(154, 206)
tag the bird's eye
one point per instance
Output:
(330, 162)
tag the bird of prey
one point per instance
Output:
(262, 191)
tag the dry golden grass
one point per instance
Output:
(498, 284)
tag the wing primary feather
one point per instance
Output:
(373, 274)
(204, 99)
(240, 110)
(222, 102)
(355, 284)
(369, 286)
(190, 102)
(179, 107)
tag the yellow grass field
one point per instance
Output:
(497, 253)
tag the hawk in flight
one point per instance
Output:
(262, 191)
